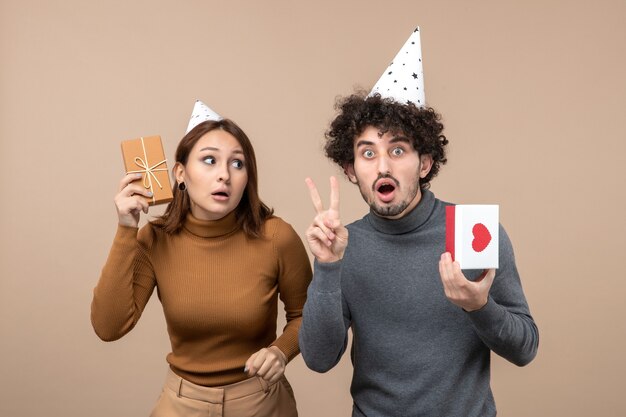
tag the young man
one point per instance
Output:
(422, 329)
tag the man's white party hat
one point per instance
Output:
(404, 78)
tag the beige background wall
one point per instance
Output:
(533, 97)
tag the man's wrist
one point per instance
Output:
(476, 307)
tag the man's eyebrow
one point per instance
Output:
(364, 143)
(395, 139)
(400, 138)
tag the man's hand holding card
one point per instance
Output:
(471, 243)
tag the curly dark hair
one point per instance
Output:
(358, 111)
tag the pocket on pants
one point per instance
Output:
(277, 401)
(171, 405)
(286, 398)
(287, 386)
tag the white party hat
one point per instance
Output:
(201, 113)
(404, 78)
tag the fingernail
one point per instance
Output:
(149, 193)
(138, 175)
(245, 369)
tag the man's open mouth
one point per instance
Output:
(386, 188)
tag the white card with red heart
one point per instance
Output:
(472, 235)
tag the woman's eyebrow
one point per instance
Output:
(211, 148)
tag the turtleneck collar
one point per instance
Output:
(411, 221)
(211, 228)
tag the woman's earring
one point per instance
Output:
(182, 186)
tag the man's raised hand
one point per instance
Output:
(326, 236)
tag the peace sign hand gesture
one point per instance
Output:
(327, 237)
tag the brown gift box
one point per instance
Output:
(145, 155)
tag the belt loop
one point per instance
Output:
(264, 385)
(180, 387)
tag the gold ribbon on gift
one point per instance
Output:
(148, 170)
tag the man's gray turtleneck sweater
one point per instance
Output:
(414, 352)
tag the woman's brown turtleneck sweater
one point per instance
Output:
(218, 288)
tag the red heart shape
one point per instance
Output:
(482, 237)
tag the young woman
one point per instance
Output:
(219, 259)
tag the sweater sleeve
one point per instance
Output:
(294, 276)
(126, 283)
(504, 324)
(324, 331)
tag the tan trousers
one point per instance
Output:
(252, 397)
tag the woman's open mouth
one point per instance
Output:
(220, 195)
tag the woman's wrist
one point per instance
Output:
(280, 353)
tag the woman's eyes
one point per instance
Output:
(236, 163)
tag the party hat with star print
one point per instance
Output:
(201, 113)
(404, 78)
